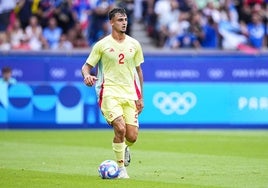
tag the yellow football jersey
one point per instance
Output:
(117, 64)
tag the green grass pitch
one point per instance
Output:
(160, 159)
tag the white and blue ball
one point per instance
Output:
(108, 169)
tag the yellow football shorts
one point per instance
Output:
(113, 107)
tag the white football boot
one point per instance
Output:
(123, 173)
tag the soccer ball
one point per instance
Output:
(108, 169)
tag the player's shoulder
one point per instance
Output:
(102, 43)
(103, 40)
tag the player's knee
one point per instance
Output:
(132, 134)
(119, 127)
(121, 131)
(132, 137)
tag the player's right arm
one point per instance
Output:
(90, 63)
(89, 79)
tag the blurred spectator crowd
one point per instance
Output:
(68, 24)
(216, 24)
(54, 24)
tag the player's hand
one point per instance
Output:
(90, 80)
(139, 105)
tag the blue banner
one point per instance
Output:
(157, 68)
(219, 91)
(195, 103)
(206, 69)
(73, 104)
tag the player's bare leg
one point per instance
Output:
(131, 137)
(131, 134)
(119, 144)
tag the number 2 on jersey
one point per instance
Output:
(121, 58)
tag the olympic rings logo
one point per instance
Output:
(174, 102)
(57, 73)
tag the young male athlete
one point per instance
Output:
(118, 84)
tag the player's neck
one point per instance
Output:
(119, 37)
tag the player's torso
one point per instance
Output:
(118, 60)
(117, 68)
(118, 55)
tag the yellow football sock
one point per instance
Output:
(128, 143)
(119, 150)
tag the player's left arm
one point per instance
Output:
(139, 102)
(139, 59)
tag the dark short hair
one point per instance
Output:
(119, 10)
(6, 69)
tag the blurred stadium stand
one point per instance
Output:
(171, 24)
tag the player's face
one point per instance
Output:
(119, 22)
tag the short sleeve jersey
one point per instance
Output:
(116, 69)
